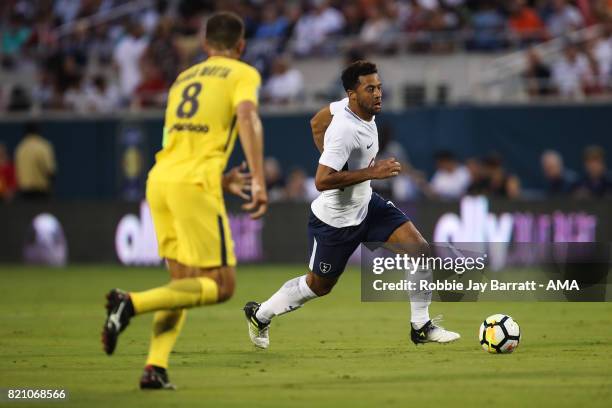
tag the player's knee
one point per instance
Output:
(322, 290)
(320, 286)
(423, 246)
(226, 291)
(227, 286)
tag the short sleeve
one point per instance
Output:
(337, 146)
(247, 87)
(337, 106)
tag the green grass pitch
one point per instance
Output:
(334, 352)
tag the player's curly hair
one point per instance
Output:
(351, 74)
(224, 30)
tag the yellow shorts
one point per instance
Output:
(191, 224)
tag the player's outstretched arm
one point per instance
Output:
(319, 124)
(251, 139)
(328, 179)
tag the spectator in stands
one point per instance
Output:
(101, 97)
(45, 93)
(537, 75)
(559, 180)
(44, 35)
(66, 10)
(430, 24)
(19, 100)
(66, 73)
(442, 22)
(285, 84)
(488, 25)
(75, 98)
(7, 175)
(478, 182)
(572, 73)
(102, 45)
(603, 9)
(78, 45)
(151, 17)
(127, 56)
(296, 190)
(315, 26)
(525, 23)
(14, 37)
(596, 182)
(601, 51)
(273, 24)
(275, 182)
(451, 179)
(163, 51)
(151, 92)
(564, 18)
(406, 186)
(35, 165)
(376, 29)
(499, 182)
(353, 19)
(416, 17)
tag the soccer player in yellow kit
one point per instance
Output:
(208, 105)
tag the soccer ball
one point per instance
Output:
(499, 334)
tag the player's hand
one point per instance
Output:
(238, 181)
(259, 200)
(386, 168)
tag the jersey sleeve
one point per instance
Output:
(337, 106)
(247, 87)
(337, 146)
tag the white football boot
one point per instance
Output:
(258, 332)
(432, 332)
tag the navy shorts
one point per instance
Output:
(330, 248)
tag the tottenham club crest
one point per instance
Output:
(324, 267)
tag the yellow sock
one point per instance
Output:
(178, 294)
(167, 325)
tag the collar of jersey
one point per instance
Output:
(346, 108)
(219, 56)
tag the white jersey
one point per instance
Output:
(350, 143)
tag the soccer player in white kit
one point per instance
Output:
(347, 212)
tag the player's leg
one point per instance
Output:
(119, 306)
(390, 226)
(189, 287)
(204, 239)
(167, 324)
(407, 239)
(291, 296)
(294, 294)
(200, 286)
(330, 249)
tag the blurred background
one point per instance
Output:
(495, 108)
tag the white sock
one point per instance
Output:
(420, 301)
(292, 295)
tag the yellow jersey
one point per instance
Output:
(200, 124)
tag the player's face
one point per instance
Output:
(369, 94)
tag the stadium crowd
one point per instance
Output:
(88, 58)
(584, 69)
